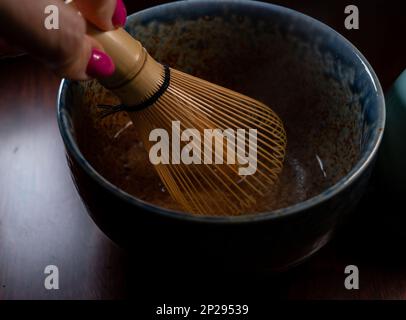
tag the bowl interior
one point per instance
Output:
(316, 81)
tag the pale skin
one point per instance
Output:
(67, 50)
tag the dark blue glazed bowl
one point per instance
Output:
(322, 87)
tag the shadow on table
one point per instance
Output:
(373, 239)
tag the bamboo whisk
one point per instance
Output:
(155, 96)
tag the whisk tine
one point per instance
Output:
(154, 96)
(187, 172)
(215, 189)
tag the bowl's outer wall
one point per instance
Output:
(266, 244)
(271, 244)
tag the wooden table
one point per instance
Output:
(43, 221)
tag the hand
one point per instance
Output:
(67, 50)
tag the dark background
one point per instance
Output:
(43, 222)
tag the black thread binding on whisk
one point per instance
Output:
(109, 110)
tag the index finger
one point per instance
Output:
(105, 14)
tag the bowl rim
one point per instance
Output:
(358, 169)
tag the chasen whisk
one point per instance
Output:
(222, 151)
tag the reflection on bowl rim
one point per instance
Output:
(356, 171)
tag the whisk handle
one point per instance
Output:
(137, 77)
(127, 53)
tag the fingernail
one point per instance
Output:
(100, 65)
(120, 14)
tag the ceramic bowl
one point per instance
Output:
(321, 86)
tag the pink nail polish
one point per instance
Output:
(100, 65)
(120, 14)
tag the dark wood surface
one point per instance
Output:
(43, 222)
